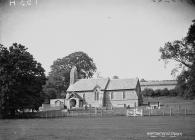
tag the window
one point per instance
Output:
(84, 96)
(124, 95)
(112, 95)
(135, 104)
(96, 98)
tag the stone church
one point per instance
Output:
(102, 92)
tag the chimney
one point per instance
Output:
(73, 75)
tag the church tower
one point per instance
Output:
(73, 75)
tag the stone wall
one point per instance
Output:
(119, 99)
(130, 99)
(90, 98)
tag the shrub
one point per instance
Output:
(159, 92)
(147, 92)
(173, 92)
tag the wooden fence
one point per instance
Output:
(165, 110)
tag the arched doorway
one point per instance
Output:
(73, 103)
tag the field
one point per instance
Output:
(106, 128)
(168, 100)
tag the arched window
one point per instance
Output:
(124, 95)
(83, 96)
(96, 95)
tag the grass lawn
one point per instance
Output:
(117, 128)
(168, 100)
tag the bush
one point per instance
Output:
(173, 92)
(147, 92)
(159, 92)
(165, 92)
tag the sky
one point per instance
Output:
(122, 36)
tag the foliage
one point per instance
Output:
(115, 77)
(191, 2)
(50, 91)
(143, 80)
(173, 92)
(21, 80)
(59, 77)
(183, 52)
(148, 92)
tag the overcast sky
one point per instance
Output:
(122, 36)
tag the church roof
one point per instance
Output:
(120, 84)
(104, 84)
(88, 84)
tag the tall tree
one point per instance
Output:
(21, 80)
(60, 70)
(183, 52)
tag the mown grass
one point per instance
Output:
(117, 128)
(168, 100)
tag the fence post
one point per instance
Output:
(149, 112)
(185, 111)
(170, 111)
(90, 111)
(134, 112)
(95, 111)
(63, 114)
(178, 109)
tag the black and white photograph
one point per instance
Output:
(97, 69)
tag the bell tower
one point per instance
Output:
(73, 75)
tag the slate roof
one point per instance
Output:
(113, 84)
(88, 84)
(120, 84)
(156, 83)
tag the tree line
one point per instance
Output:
(148, 92)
